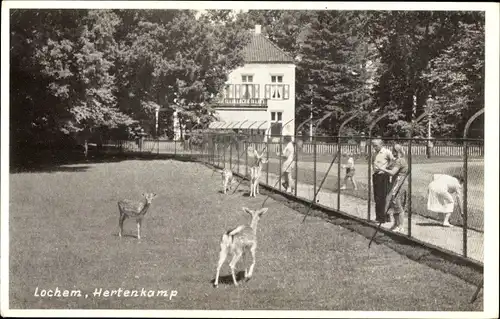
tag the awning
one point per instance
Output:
(242, 125)
(216, 125)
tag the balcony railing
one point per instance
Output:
(233, 102)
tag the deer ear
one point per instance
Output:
(247, 210)
(262, 211)
(143, 195)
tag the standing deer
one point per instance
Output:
(227, 179)
(134, 209)
(236, 241)
(255, 172)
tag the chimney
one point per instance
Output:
(257, 29)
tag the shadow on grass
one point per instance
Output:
(46, 162)
(125, 236)
(431, 224)
(228, 279)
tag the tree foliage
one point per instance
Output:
(96, 70)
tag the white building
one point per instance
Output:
(259, 98)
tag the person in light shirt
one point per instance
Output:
(381, 179)
(288, 163)
(443, 192)
(396, 199)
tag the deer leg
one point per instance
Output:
(245, 259)
(233, 263)
(139, 221)
(252, 250)
(120, 224)
(222, 258)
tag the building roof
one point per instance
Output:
(262, 50)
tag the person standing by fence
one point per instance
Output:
(443, 191)
(397, 197)
(288, 164)
(383, 157)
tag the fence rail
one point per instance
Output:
(331, 148)
(310, 167)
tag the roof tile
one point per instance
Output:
(262, 50)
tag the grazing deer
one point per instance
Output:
(134, 209)
(235, 242)
(255, 172)
(227, 179)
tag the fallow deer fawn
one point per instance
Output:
(227, 179)
(255, 171)
(235, 242)
(135, 210)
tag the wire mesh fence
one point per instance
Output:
(341, 176)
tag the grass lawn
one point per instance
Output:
(63, 233)
(423, 169)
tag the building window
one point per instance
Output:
(247, 90)
(247, 78)
(276, 89)
(276, 92)
(276, 123)
(277, 78)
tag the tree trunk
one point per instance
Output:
(85, 147)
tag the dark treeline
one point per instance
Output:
(78, 73)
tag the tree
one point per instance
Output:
(73, 56)
(456, 77)
(334, 69)
(174, 59)
(407, 43)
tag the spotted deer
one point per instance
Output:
(255, 172)
(236, 241)
(135, 210)
(227, 179)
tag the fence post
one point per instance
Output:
(280, 152)
(238, 150)
(369, 176)
(465, 156)
(246, 158)
(409, 182)
(410, 173)
(212, 148)
(296, 166)
(267, 164)
(465, 212)
(224, 155)
(231, 155)
(339, 152)
(339, 155)
(314, 161)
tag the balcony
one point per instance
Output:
(234, 102)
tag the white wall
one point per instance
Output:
(262, 75)
(232, 115)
